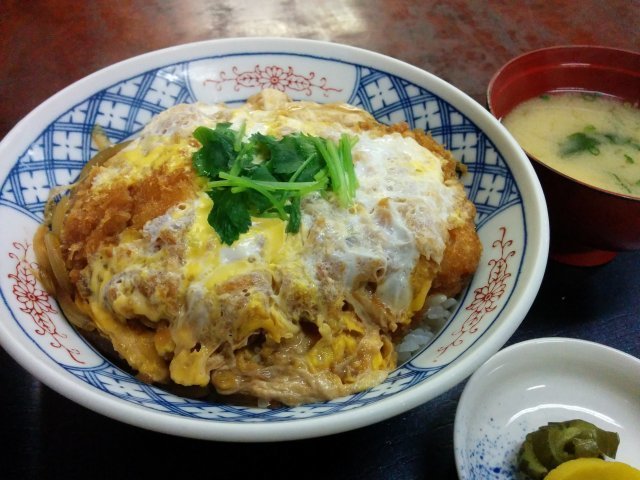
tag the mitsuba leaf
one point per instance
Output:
(244, 158)
(312, 166)
(256, 203)
(266, 177)
(229, 215)
(282, 154)
(304, 145)
(286, 155)
(293, 209)
(217, 153)
(261, 172)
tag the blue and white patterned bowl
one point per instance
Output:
(51, 144)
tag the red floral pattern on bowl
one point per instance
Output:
(34, 301)
(272, 76)
(487, 297)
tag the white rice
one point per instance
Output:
(440, 308)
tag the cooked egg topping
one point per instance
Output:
(282, 317)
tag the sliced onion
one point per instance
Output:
(51, 204)
(47, 281)
(58, 267)
(44, 273)
(58, 213)
(100, 138)
(101, 157)
(74, 314)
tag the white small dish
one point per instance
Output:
(529, 384)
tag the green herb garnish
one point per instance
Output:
(264, 176)
(580, 142)
(621, 183)
(589, 140)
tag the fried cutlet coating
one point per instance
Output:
(460, 261)
(462, 254)
(96, 218)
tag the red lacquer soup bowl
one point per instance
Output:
(588, 224)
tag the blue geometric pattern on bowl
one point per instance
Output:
(114, 381)
(57, 155)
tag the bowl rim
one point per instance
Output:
(559, 48)
(536, 254)
(554, 48)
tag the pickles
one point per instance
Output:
(593, 469)
(559, 442)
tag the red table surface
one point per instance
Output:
(46, 45)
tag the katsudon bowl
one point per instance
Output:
(49, 147)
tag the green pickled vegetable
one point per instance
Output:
(559, 442)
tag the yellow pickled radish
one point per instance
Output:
(593, 469)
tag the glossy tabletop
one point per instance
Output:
(46, 45)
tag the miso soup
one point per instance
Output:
(590, 137)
